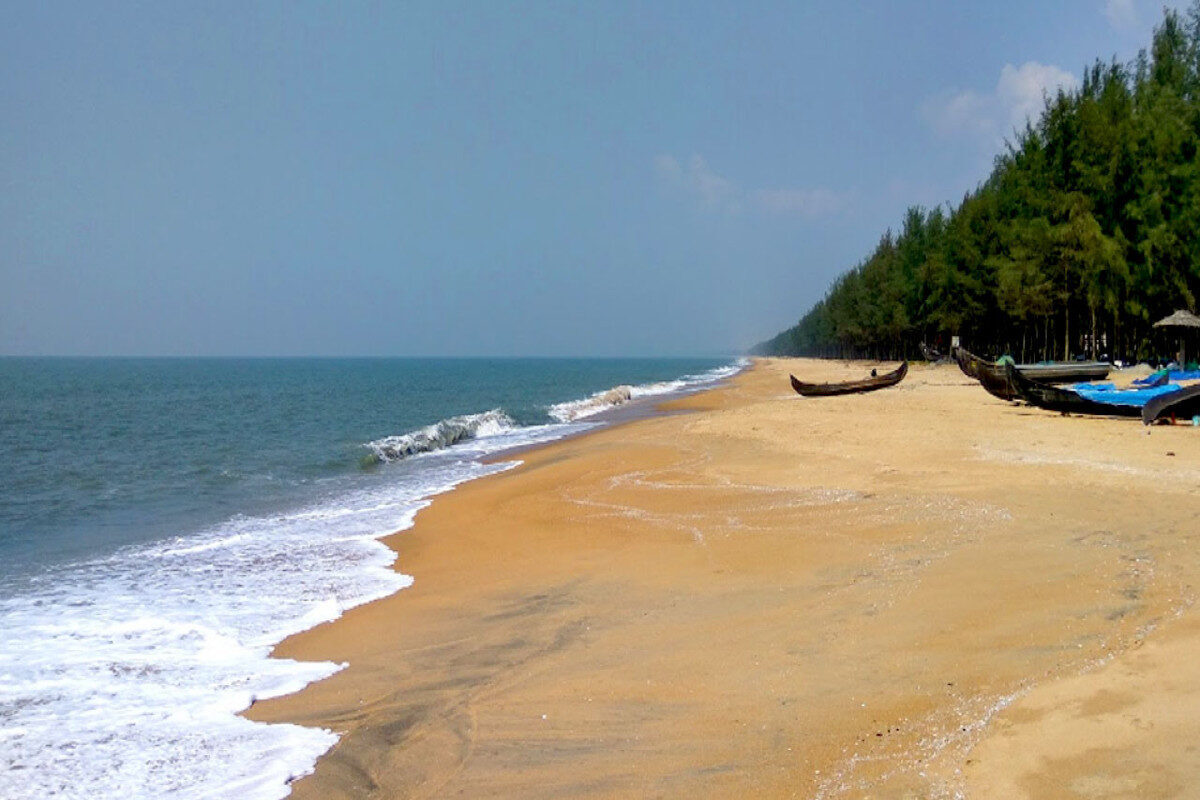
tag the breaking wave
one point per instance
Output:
(440, 435)
(619, 395)
(600, 401)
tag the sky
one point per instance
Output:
(489, 179)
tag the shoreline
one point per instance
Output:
(634, 410)
(767, 596)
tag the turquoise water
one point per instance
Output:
(163, 523)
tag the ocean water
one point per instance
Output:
(165, 522)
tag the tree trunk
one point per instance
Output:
(1116, 340)
(1066, 333)
(1094, 342)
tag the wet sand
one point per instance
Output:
(919, 592)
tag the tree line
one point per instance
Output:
(1086, 231)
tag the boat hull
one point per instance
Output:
(1053, 398)
(850, 387)
(994, 377)
(991, 377)
(968, 363)
(1077, 372)
(1184, 404)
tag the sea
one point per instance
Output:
(165, 522)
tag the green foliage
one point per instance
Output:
(1086, 231)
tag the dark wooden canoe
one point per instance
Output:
(968, 363)
(994, 377)
(1052, 398)
(1183, 404)
(850, 387)
(995, 380)
(931, 354)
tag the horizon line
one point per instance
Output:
(265, 357)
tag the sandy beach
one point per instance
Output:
(921, 592)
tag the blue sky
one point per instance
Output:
(489, 179)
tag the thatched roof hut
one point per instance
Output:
(1186, 323)
(1180, 319)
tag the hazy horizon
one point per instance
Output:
(478, 181)
(370, 357)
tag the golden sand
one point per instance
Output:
(918, 592)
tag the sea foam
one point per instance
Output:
(442, 434)
(121, 677)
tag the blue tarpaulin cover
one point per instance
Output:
(1173, 375)
(1109, 393)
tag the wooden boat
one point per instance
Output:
(1053, 398)
(991, 376)
(968, 363)
(931, 354)
(994, 377)
(1058, 372)
(1066, 371)
(850, 387)
(1184, 404)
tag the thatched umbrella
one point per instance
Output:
(1184, 321)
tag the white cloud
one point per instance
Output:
(1019, 96)
(1122, 15)
(697, 178)
(717, 193)
(951, 115)
(1022, 90)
